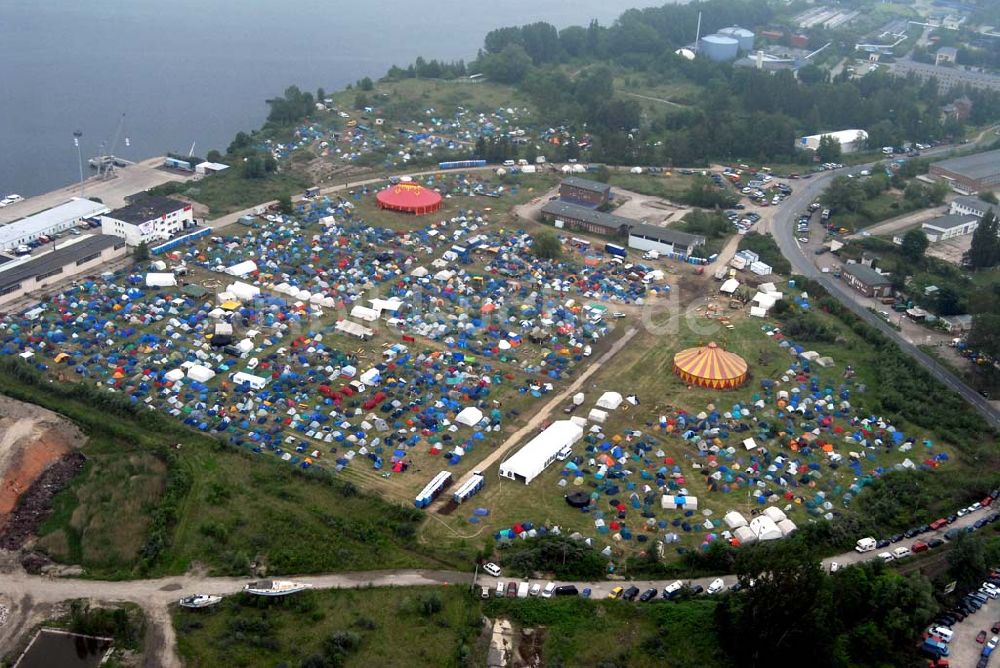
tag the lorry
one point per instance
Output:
(866, 544)
(616, 250)
(523, 589)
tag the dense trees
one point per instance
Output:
(290, 108)
(829, 149)
(915, 243)
(546, 246)
(984, 251)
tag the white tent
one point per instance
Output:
(729, 286)
(734, 520)
(745, 535)
(353, 328)
(763, 300)
(242, 269)
(364, 313)
(758, 312)
(419, 272)
(787, 527)
(243, 291)
(528, 462)
(679, 502)
(371, 377)
(750, 444)
(597, 415)
(776, 514)
(160, 280)
(174, 375)
(200, 373)
(578, 399)
(610, 401)
(255, 382)
(765, 528)
(244, 345)
(470, 416)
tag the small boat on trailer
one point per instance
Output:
(199, 601)
(275, 587)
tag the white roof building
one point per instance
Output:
(850, 140)
(528, 463)
(51, 221)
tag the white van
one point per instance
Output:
(522, 590)
(671, 589)
(885, 556)
(901, 553)
(942, 632)
(866, 544)
(492, 569)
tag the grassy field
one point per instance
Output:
(189, 499)
(420, 627)
(668, 187)
(229, 191)
(378, 626)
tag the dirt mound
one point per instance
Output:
(31, 440)
(35, 504)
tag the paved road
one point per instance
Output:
(126, 181)
(783, 231)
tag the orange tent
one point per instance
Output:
(711, 366)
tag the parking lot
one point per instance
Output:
(964, 651)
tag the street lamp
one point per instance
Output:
(79, 155)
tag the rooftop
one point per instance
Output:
(60, 257)
(866, 275)
(974, 203)
(72, 210)
(583, 214)
(667, 235)
(147, 208)
(976, 166)
(949, 221)
(586, 184)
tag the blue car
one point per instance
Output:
(586, 592)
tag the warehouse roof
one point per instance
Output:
(973, 203)
(60, 257)
(866, 274)
(146, 208)
(40, 223)
(949, 221)
(976, 166)
(583, 214)
(667, 235)
(586, 184)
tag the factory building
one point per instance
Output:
(850, 140)
(970, 173)
(574, 217)
(584, 192)
(49, 222)
(27, 276)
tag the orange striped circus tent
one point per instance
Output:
(711, 366)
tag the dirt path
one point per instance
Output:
(539, 418)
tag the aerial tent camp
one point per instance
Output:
(711, 366)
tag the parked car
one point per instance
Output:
(696, 589)
(511, 589)
(935, 542)
(492, 569)
(630, 593)
(586, 592)
(567, 590)
(550, 589)
(616, 592)
(716, 586)
(535, 590)
(919, 546)
(648, 595)
(981, 637)
(484, 592)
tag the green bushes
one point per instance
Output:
(568, 559)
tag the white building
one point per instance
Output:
(148, 220)
(850, 140)
(46, 223)
(971, 206)
(952, 225)
(527, 463)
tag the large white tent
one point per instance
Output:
(242, 268)
(765, 528)
(157, 280)
(469, 416)
(527, 463)
(610, 401)
(200, 373)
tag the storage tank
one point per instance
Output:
(742, 35)
(719, 47)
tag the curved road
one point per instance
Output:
(783, 230)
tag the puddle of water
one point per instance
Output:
(66, 650)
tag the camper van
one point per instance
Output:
(865, 545)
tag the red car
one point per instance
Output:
(937, 524)
(919, 546)
(981, 637)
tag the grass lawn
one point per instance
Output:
(404, 627)
(229, 191)
(667, 187)
(381, 626)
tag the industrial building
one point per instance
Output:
(32, 273)
(850, 140)
(946, 227)
(535, 456)
(867, 281)
(49, 222)
(672, 243)
(575, 217)
(584, 192)
(148, 219)
(970, 173)
(972, 206)
(947, 77)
